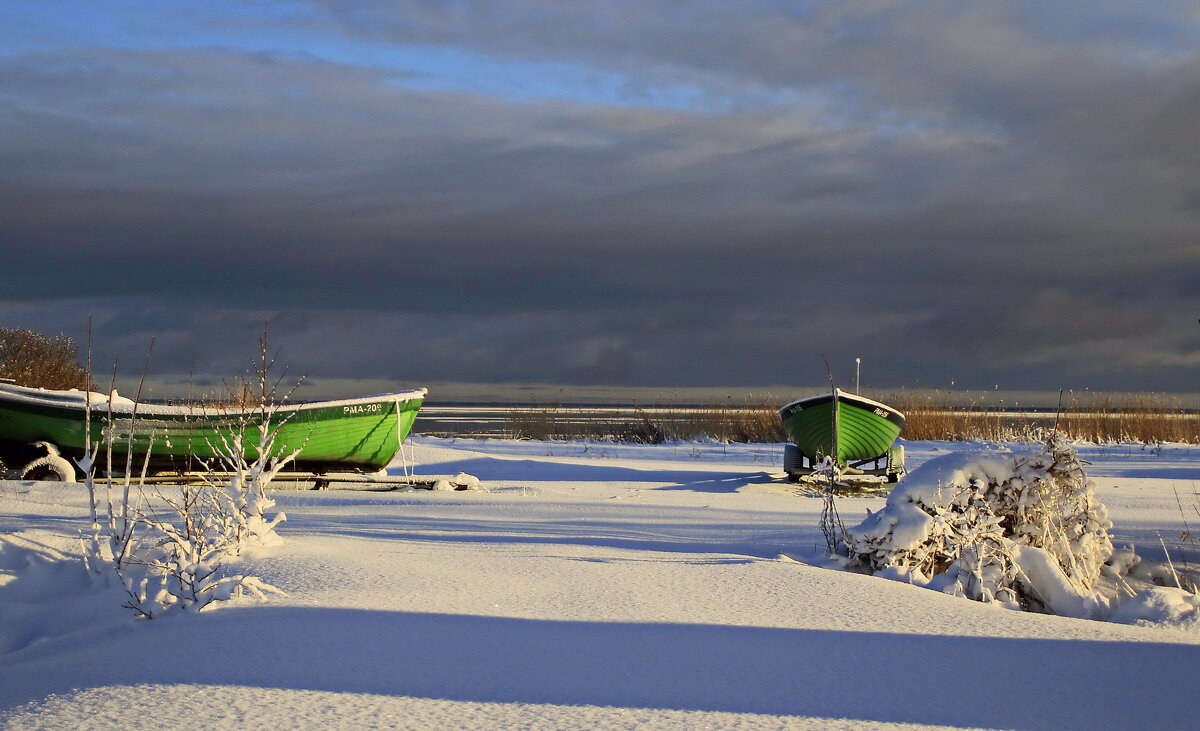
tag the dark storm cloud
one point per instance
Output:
(980, 191)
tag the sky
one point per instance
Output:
(626, 193)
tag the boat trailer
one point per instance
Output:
(53, 466)
(889, 465)
(334, 481)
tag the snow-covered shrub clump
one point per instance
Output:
(247, 485)
(166, 549)
(1022, 529)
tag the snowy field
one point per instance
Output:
(590, 586)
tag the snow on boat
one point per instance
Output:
(858, 433)
(349, 435)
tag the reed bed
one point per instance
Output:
(931, 415)
(1097, 418)
(754, 421)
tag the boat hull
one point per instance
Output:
(862, 429)
(361, 434)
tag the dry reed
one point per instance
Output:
(932, 415)
(755, 421)
(1088, 417)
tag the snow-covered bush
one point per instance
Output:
(182, 569)
(166, 550)
(246, 487)
(39, 361)
(1023, 529)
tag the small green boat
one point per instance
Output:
(350, 435)
(858, 433)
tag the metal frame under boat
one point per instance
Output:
(330, 480)
(889, 465)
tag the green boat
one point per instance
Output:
(350, 435)
(858, 433)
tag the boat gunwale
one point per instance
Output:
(75, 402)
(842, 396)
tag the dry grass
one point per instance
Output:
(754, 421)
(244, 392)
(239, 396)
(1090, 417)
(933, 415)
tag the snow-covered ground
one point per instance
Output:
(590, 586)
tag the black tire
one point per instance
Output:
(50, 468)
(793, 458)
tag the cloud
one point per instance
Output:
(999, 191)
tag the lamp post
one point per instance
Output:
(857, 369)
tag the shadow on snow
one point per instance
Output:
(869, 676)
(765, 536)
(517, 470)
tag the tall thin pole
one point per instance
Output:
(857, 369)
(836, 460)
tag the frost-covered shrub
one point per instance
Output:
(1023, 529)
(166, 551)
(182, 572)
(246, 488)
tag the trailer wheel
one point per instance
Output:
(793, 459)
(50, 468)
(895, 463)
